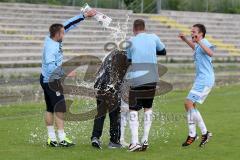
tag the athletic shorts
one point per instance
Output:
(55, 101)
(199, 93)
(142, 96)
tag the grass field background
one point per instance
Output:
(23, 134)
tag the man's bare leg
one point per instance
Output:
(49, 121)
(59, 120)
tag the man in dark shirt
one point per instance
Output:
(107, 84)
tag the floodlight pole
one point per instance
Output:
(73, 2)
(207, 3)
(96, 3)
(142, 5)
(159, 6)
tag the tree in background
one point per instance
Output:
(222, 6)
(225, 6)
(193, 5)
(128, 2)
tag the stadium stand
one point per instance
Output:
(24, 26)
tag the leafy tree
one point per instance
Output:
(128, 2)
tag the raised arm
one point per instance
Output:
(207, 50)
(207, 47)
(184, 38)
(74, 21)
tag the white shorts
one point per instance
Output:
(199, 93)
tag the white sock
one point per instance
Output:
(133, 123)
(147, 124)
(51, 133)
(201, 123)
(61, 134)
(191, 119)
(124, 118)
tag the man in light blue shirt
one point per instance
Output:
(203, 63)
(142, 77)
(143, 56)
(204, 81)
(52, 53)
(51, 73)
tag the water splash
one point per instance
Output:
(119, 31)
(76, 129)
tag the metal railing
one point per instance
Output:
(140, 6)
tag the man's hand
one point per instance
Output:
(90, 13)
(197, 38)
(182, 36)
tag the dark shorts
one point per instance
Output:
(142, 96)
(53, 95)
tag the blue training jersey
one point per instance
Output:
(52, 57)
(203, 65)
(143, 55)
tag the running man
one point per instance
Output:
(51, 74)
(204, 81)
(143, 77)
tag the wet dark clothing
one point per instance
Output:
(108, 83)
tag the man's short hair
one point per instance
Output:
(55, 28)
(201, 28)
(139, 25)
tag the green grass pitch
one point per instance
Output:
(23, 134)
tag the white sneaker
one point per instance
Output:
(134, 147)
